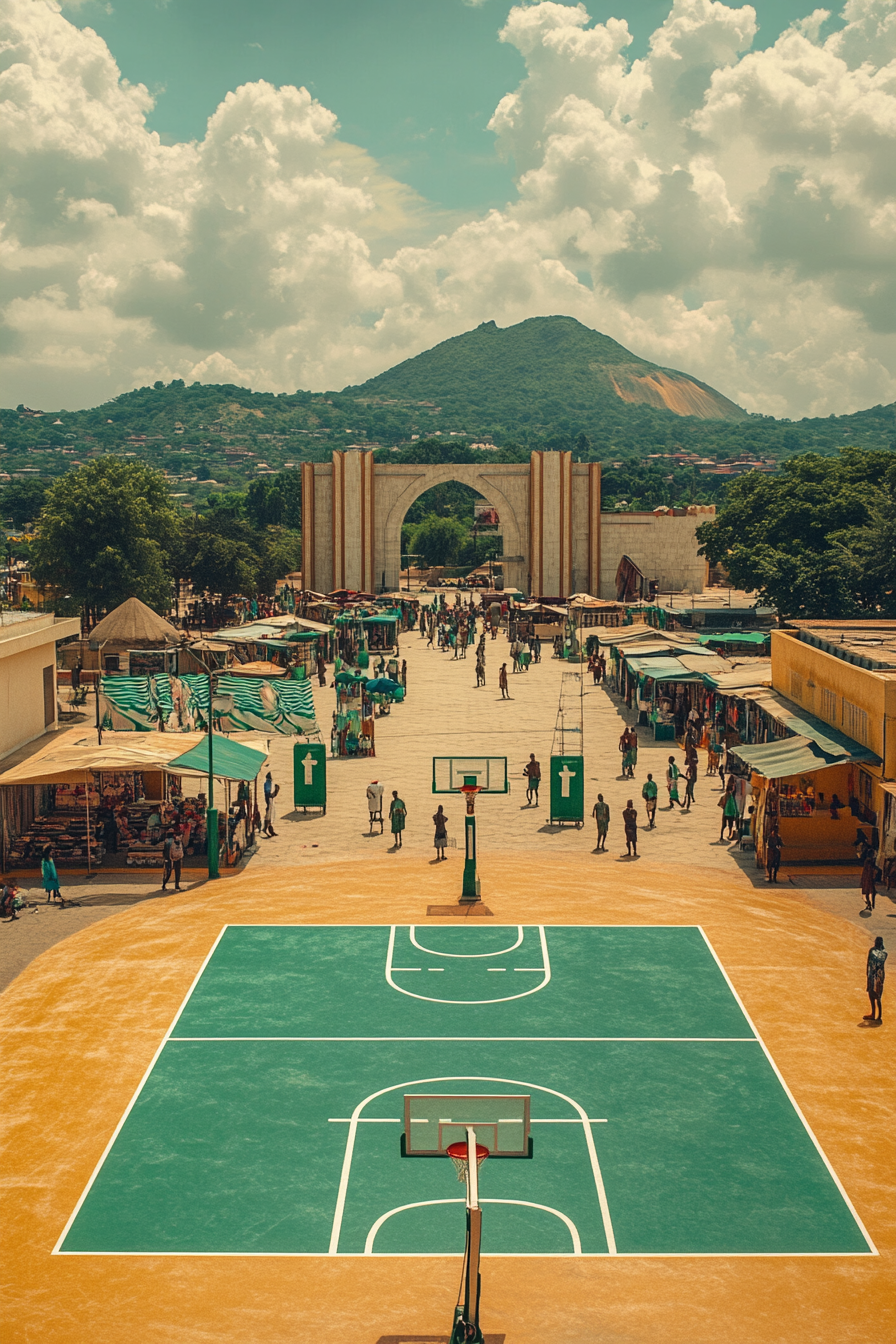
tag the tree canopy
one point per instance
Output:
(816, 539)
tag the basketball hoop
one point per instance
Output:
(458, 1154)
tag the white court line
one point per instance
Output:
(526, 1203)
(549, 1121)
(152, 1063)
(407, 968)
(647, 1040)
(342, 1192)
(430, 999)
(805, 1123)
(391, 1120)
(467, 956)
(500, 970)
(489, 1255)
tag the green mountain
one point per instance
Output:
(543, 369)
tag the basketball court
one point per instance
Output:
(272, 1120)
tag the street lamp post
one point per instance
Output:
(225, 703)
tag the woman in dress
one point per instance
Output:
(397, 816)
(875, 972)
(869, 874)
(440, 821)
(728, 804)
(50, 876)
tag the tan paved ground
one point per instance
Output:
(81, 1023)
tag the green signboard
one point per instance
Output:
(309, 775)
(568, 788)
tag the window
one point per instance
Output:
(855, 722)
(829, 705)
(49, 696)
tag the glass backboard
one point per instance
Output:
(448, 773)
(432, 1122)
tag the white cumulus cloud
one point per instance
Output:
(719, 209)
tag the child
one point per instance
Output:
(50, 876)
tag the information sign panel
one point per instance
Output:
(309, 774)
(568, 788)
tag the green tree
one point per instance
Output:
(806, 538)
(276, 501)
(438, 540)
(22, 501)
(104, 534)
(279, 554)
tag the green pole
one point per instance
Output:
(211, 812)
(470, 892)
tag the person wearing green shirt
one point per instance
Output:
(648, 793)
(601, 814)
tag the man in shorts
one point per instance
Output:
(532, 772)
(601, 814)
(648, 793)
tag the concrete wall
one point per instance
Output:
(26, 648)
(662, 545)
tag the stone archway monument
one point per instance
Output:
(549, 510)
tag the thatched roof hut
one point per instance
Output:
(134, 625)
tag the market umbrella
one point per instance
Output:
(346, 678)
(385, 686)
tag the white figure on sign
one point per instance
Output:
(309, 763)
(565, 776)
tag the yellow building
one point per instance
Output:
(28, 705)
(843, 674)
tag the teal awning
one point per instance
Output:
(230, 760)
(736, 637)
(829, 740)
(785, 756)
(661, 669)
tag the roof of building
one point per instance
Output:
(864, 643)
(134, 623)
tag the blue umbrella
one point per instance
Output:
(384, 686)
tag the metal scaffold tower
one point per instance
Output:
(568, 753)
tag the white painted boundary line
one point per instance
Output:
(468, 956)
(489, 1255)
(791, 1098)
(428, 998)
(526, 1203)
(749, 1040)
(133, 1100)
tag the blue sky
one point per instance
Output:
(414, 82)
(302, 193)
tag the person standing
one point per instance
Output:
(672, 776)
(876, 974)
(270, 808)
(601, 667)
(76, 676)
(480, 667)
(440, 821)
(50, 876)
(649, 793)
(502, 682)
(630, 821)
(532, 772)
(397, 817)
(728, 804)
(773, 846)
(172, 857)
(404, 673)
(321, 670)
(375, 804)
(601, 814)
(690, 781)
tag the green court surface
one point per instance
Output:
(270, 1121)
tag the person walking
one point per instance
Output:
(690, 780)
(270, 808)
(321, 670)
(375, 804)
(440, 821)
(869, 875)
(480, 667)
(76, 676)
(397, 817)
(876, 974)
(773, 846)
(532, 772)
(172, 857)
(601, 814)
(502, 682)
(728, 804)
(601, 667)
(50, 876)
(672, 776)
(404, 673)
(630, 821)
(649, 793)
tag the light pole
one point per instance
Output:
(223, 705)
